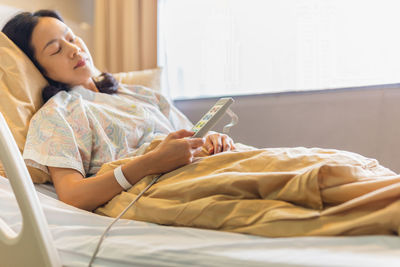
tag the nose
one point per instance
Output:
(73, 49)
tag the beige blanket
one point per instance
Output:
(271, 192)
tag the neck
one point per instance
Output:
(90, 85)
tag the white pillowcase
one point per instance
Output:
(150, 78)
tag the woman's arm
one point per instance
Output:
(89, 193)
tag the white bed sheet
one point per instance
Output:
(133, 243)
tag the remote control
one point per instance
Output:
(211, 117)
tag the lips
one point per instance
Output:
(80, 63)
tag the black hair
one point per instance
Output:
(19, 30)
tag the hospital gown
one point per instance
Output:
(81, 129)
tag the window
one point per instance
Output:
(234, 47)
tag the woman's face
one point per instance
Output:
(63, 55)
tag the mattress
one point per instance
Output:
(133, 243)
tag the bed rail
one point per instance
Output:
(33, 245)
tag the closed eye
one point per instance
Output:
(58, 51)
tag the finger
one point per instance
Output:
(216, 140)
(196, 142)
(181, 134)
(233, 147)
(210, 150)
(225, 143)
(208, 145)
(196, 151)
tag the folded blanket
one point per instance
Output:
(275, 192)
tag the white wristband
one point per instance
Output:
(120, 177)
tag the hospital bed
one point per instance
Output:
(39, 230)
(36, 229)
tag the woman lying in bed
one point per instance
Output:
(88, 123)
(88, 120)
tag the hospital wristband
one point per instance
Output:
(120, 177)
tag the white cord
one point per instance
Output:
(119, 216)
(234, 121)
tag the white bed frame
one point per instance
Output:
(33, 245)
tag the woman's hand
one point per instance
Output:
(217, 142)
(175, 151)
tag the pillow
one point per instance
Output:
(20, 95)
(150, 78)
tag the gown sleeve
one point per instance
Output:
(59, 135)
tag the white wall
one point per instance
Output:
(362, 120)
